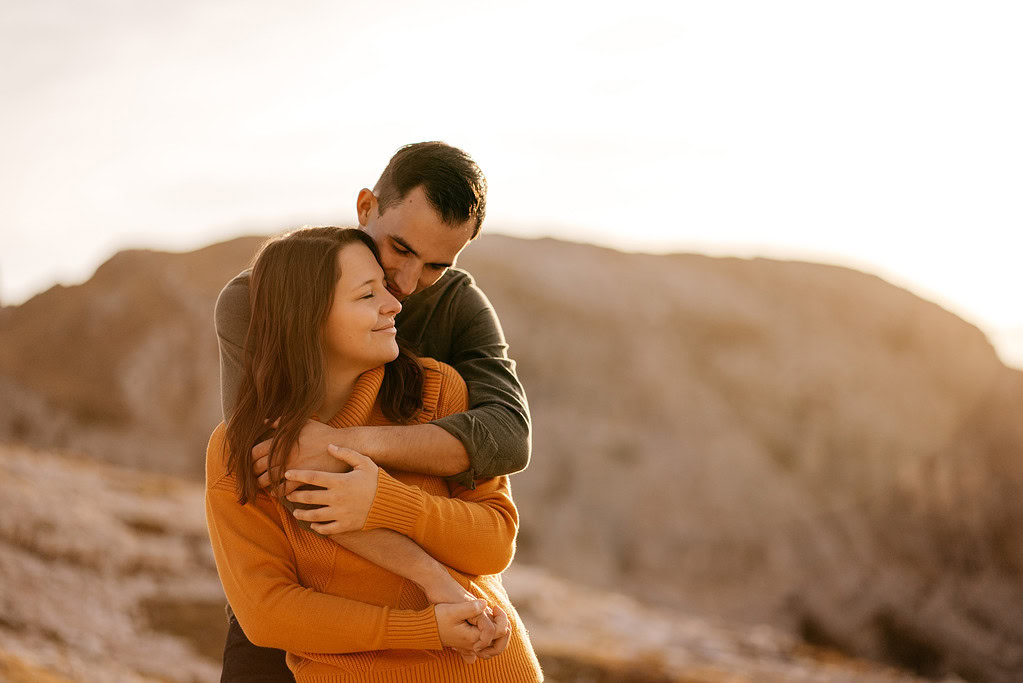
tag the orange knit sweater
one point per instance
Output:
(342, 618)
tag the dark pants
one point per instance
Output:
(247, 663)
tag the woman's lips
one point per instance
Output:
(390, 329)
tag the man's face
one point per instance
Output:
(416, 245)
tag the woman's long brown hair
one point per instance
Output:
(283, 369)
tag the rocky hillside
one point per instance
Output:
(790, 444)
(108, 576)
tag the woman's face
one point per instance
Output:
(359, 330)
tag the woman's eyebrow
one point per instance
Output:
(370, 281)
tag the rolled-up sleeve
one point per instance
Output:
(496, 429)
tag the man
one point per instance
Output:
(428, 204)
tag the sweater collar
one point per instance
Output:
(359, 405)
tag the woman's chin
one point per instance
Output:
(391, 355)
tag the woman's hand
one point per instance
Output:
(442, 588)
(502, 635)
(452, 627)
(346, 498)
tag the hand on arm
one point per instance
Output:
(474, 533)
(423, 448)
(426, 449)
(347, 499)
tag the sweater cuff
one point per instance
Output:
(413, 630)
(395, 505)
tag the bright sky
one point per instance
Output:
(881, 135)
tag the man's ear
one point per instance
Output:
(365, 206)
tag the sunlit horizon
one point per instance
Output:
(881, 136)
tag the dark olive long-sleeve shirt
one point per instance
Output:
(451, 321)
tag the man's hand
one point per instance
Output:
(346, 498)
(309, 453)
(502, 631)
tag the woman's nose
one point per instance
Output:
(390, 305)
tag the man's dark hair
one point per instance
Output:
(453, 183)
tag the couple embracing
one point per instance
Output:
(357, 495)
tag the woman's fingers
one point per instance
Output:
(318, 497)
(488, 631)
(499, 646)
(315, 515)
(503, 635)
(329, 528)
(310, 477)
(346, 498)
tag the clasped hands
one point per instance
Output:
(348, 482)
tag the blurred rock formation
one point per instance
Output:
(108, 576)
(764, 442)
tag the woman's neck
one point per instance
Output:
(340, 384)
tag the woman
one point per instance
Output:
(322, 342)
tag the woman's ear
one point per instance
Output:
(366, 206)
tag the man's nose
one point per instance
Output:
(406, 279)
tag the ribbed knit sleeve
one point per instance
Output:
(409, 630)
(474, 532)
(256, 564)
(396, 506)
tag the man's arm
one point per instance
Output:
(232, 321)
(496, 429)
(385, 548)
(473, 532)
(494, 433)
(427, 449)
(490, 439)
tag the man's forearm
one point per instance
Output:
(426, 448)
(402, 556)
